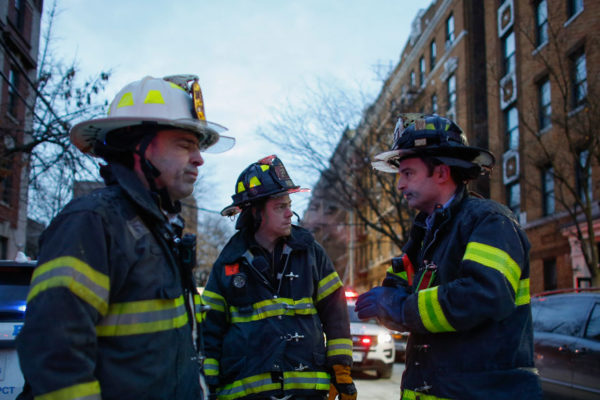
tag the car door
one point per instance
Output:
(585, 357)
(557, 322)
(14, 286)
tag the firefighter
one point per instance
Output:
(278, 326)
(461, 286)
(111, 312)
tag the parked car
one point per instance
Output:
(372, 345)
(566, 335)
(14, 286)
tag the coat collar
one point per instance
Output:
(131, 184)
(299, 239)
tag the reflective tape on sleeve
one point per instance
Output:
(494, 258)
(523, 295)
(69, 272)
(430, 310)
(211, 367)
(81, 391)
(214, 300)
(339, 347)
(328, 285)
(272, 308)
(402, 274)
(145, 316)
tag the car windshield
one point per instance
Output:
(14, 287)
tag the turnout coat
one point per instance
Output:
(266, 336)
(108, 315)
(469, 316)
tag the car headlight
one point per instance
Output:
(384, 338)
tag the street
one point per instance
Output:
(371, 388)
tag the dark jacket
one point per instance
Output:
(266, 338)
(106, 314)
(471, 332)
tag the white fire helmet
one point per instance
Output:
(173, 101)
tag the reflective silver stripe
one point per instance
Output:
(246, 386)
(310, 380)
(75, 275)
(328, 285)
(273, 307)
(145, 316)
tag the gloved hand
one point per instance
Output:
(386, 303)
(342, 383)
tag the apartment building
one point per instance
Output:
(543, 93)
(19, 40)
(520, 79)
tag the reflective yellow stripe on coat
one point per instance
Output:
(273, 307)
(69, 272)
(410, 395)
(328, 285)
(145, 316)
(307, 380)
(339, 347)
(81, 391)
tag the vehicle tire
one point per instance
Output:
(385, 372)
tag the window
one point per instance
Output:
(434, 103)
(541, 22)
(432, 54)
(511, 128)
(575, 7)
(508, 53)
(13, 88)
(579, 78)
(548, 191)
(451, 88)
(550, 282)
(422, 71)
(583, 174)
(450, 30)
(513, 197)
(412, 79)
(545, 108)
(20, 14)
(565, 315)
(593, 329)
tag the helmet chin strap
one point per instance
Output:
(151, 173)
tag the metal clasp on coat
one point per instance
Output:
(289, 337)
(291, 276)
(423, 389)
(301, 367)
(289, 396)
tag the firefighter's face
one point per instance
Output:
(420, 188)
(277, 217)
(175, 153)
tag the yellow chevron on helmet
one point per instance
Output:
(173, 101)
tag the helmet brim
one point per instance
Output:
(463, 157)
(85, 134)
(236, 208)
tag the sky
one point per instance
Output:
(250, 56)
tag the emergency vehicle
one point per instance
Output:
(372, 344)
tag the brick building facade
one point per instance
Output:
(479, 63)
(19, 40)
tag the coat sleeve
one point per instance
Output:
(491, 282)
(69, 294)
(333, 310)
(215, 324)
